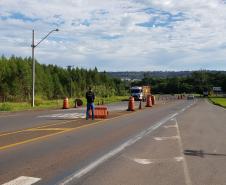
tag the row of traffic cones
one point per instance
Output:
(150, 101)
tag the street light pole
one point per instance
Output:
(33, 68)
(33, 46)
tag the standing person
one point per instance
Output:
(90, 97)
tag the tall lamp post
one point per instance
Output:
(33, 46)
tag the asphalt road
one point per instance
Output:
(144, 147)
(28, 119)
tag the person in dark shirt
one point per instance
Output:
(90, 97)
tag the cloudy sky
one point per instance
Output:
(118, 35)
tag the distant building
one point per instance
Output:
(217, 90)
(136, 80)
(126, 79)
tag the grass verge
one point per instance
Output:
(218, 101)
(54, 104)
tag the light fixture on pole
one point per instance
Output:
(33, 46)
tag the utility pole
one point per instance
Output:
(33, 68)
(33, 46)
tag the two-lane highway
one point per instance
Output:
(54, 158)
(28, 119)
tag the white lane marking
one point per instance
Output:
(152, 161)
(188, 106)
(66, 115)
(23, 180)
(165, 138)
(185, 165)
(142, 161)
(78, 174)
(178, 159)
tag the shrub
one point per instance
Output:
(38, 101)
(5, 107)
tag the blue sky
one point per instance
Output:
(118, 35)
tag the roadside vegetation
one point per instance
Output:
(55, 104)
(218, 101)
(195, 83)
(54, 83)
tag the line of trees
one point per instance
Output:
(197, 82)
(52, 82)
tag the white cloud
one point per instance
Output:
(118, 34)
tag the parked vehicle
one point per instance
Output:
(190, 97)
(205, 93)
(140, 92)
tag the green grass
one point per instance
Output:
(54, 104)
(218, 101)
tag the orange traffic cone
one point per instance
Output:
(149, 102)
(131, 104)
(66, 103)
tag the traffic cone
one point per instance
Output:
(131, 104)
(66, 103)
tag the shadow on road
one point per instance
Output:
(201, 153)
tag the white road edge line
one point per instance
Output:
(80, 173)
(23, 180)
(185, 165)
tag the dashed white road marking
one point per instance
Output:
(170, 126)
(165, 138)
(183, 110)
(23, 180)
(142, 161)
(65, 115)
(152, 161)
(179, 159)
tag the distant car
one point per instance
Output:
(205, 93)
(190, 97)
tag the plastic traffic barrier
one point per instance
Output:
(100, 112)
